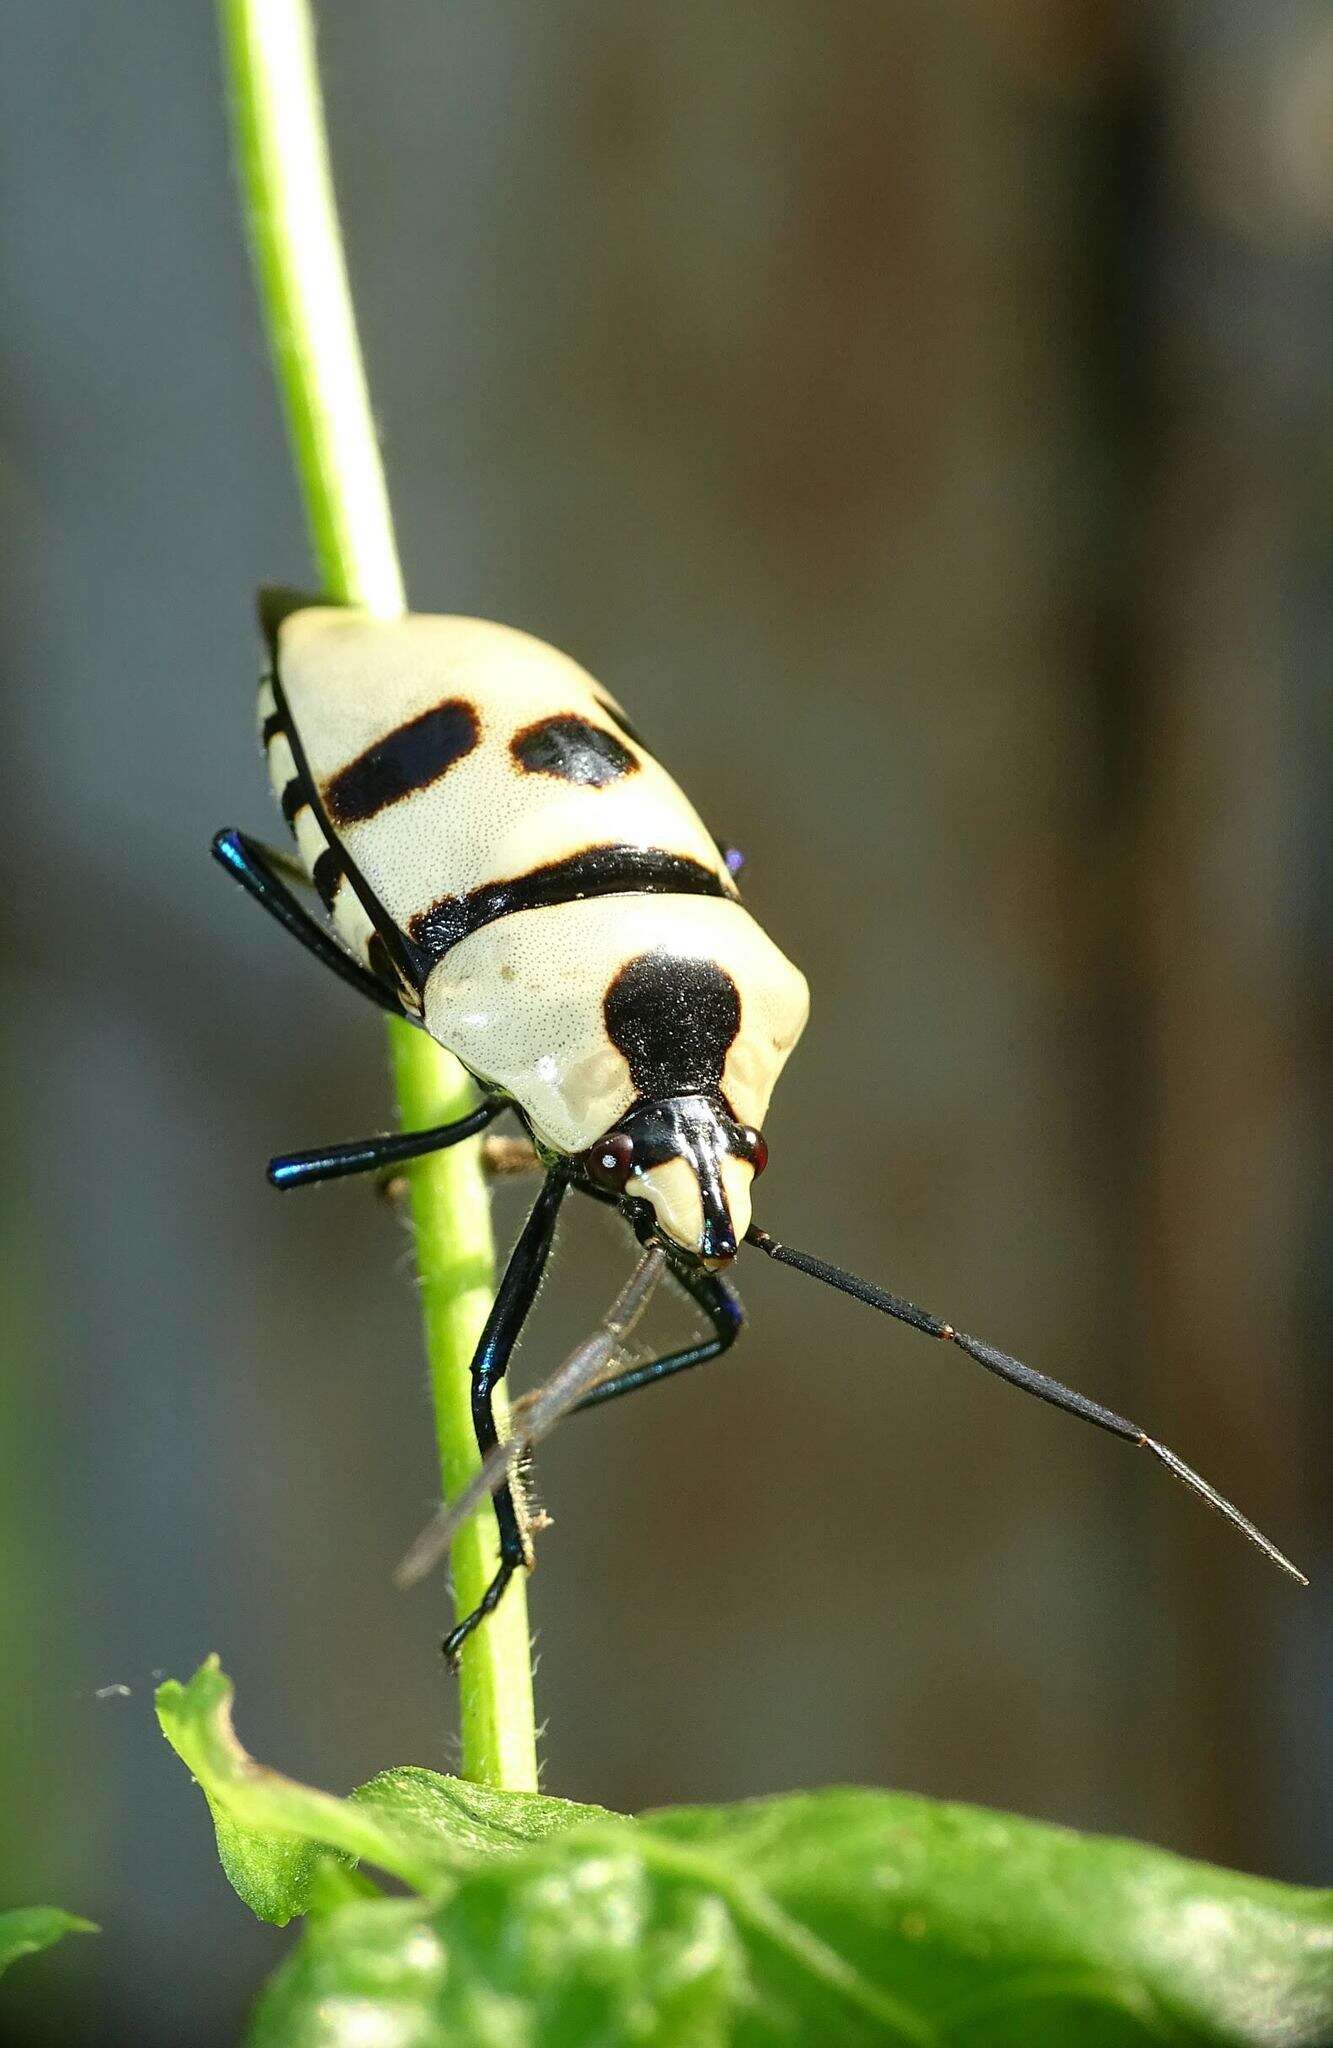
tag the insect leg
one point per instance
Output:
(535, 1416)
(363, 1155)
(719, 1302)
(509, 1311)
(258, 870)
(502, 1158)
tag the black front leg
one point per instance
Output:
(719, 1302)
(708, 1291)
(509, 1312)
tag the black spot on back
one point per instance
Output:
(568, 747)
(409, 758)
(674, 1020)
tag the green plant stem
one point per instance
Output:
(287, 191)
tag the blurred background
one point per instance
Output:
(920, 416)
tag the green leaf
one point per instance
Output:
(846, 1917)
(287, 1848)
(842, 1917)
(461, 1822)
(26, 1930)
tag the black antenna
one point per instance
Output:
(1020, 1375)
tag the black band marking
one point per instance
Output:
(675, 1021)
(380, 960)
(410, 963)
(271, 727)
(294, 796)
(600, 871)
(326, 875)
(570, 749)
(411, 757)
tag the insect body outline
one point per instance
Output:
(503, 861)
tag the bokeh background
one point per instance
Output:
(921, 417)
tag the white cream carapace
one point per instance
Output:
(491, 837)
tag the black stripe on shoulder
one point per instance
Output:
(410, 963)
(271, 728)
(409, 758)
(599, 871)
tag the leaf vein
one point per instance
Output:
(760, 1912)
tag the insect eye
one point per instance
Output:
(610, 1161)
(755, 1149)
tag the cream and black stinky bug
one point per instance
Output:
(506, 865)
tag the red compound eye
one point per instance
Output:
(756, 1149)
(610, 1161)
